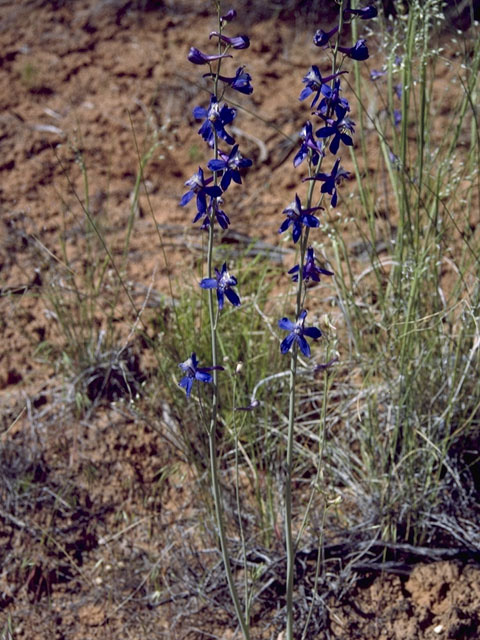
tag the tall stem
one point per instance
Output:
(212, 446)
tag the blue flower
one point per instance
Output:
(222, 218)
(198, 186)
(339, 129)
(359, 51)
(315, 84)
(330, 181)
(297, 332)
(237, 42)
(310, 269)
(216, 117)
(222, 283)
(309, 142)
(322, 37)
(194, 372)
(240, 81)
(198, 57)
(332, 102)
(229, 16)
(230, 166)
(297, 217)
(364, 14)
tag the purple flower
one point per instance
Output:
(216, 117)
(359, 51)
(310, 269)
(309, 142)
(315, 83)
(198, 186)
(198, 57)
(330, 181)
(237, 42)
(230, 165)
(297, 332)
(322, 37)
(364, 14)
(339, 129)
(222, 218)
(375, 73)
(222, 283)
(332, 102)
(397, 117)
(194, 372)
(229, 16)
(240, 81)
(298, 217)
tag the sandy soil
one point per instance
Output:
(89, 528)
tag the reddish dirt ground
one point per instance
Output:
(89, 531)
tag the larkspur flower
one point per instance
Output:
(194, 372)
(198, 57)
(297, 334)
(216, 117)
(199, 187)
(240, 81)
(230, 165)
(222, 218)
(298, 217)
(308, 142)
(321, 37)
(377, 73)
(223, 283)
(339, 129)
(229, 16)
(315, 83)
(364, 14)
(332, 102)
(358, 52)
(237, 42)
(311, 270)
(330, 180)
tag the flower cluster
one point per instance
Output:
(225, 168)
(337, 129)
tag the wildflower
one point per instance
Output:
(240, 81)
(229, 16)
(216, 117)
(222, 283)
(297, 217)
(237, 42)
(230, 165)
(364, 14)
(321, 37)
(330, 181)
(397, 117)
(359, 51)
(297, 332)
(376, 73)
(199, 187)
(340, 129)
(331, 102)
(198, 57)
(310, 269)
(222, 218)
(194, 372)
(315, 83)
(309, 142)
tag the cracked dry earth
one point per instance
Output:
(88, 531)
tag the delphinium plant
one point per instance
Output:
(208, 191)
(334, 130)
